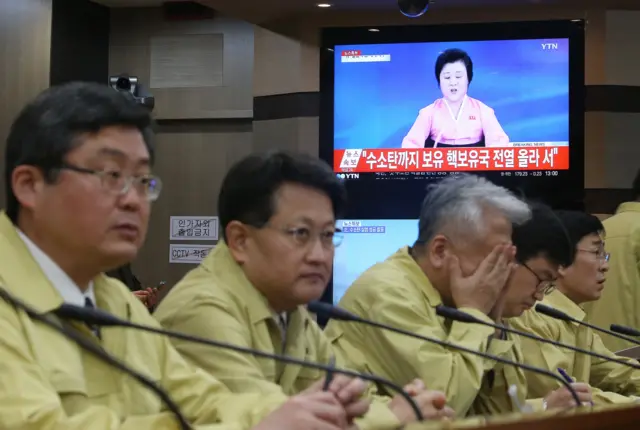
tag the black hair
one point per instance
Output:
(453, 56)
(578, 225)
(248, 189)
(49, 127)
(636, 186)
(461, 201)
(543, 235)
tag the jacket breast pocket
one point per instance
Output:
(311, 372)
(308, 376)
(311, 375)
(76, 376)
(72, 392)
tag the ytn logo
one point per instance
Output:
(549, 46)
(348, 176)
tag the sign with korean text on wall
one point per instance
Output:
(194, 228)
(188, 254)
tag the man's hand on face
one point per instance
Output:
(432, 404)
(483, 288)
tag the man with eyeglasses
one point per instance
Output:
(579, 282)
(277, 217)
(463, 257)
(542, 248)
(79, 191)
(620, 300)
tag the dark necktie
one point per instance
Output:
(282, 325)
(89, 305)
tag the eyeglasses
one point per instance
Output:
(546, 286)
(115, 182)
(600, 254)
(304, 236)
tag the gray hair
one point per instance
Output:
(460, 202)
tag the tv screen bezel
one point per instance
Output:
(402, 198)
(568, 186)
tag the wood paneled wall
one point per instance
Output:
(192, 161)
(136, 31)
(25, 43)
(205, 121)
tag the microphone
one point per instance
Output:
(555, 313)
(457, 315)
(79, 339)
(98, 317)
(343, 315)
(621, 329)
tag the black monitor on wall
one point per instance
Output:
(402, 106)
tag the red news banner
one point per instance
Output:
(450, 159)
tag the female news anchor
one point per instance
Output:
(455, 120)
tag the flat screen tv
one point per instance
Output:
(405, 105)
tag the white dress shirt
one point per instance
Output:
(68, 289)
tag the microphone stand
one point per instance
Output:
(559, 315)
(100, 318)
(79, 339)
(343, 315)
(456, 315)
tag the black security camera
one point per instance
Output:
(413, 8)
(123, 83)
(129, 85)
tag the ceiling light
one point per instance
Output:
(374, 30)
(323, 5)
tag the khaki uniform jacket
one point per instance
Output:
(48, 383)
(611, 382)
(620, 300)
(396, 292)
(217, 301)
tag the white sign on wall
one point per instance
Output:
(188, 254)
(193, 228)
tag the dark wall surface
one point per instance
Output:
(79, 41)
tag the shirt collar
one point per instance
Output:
(629, 207)
(404, 259)
(68, 290)
(559, 301)
(220, 263)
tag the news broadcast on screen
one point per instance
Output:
(367, 242)
(402, 107)
(428, 108)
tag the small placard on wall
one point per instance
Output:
(194, 228)
(188, 254)
(187, 61)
